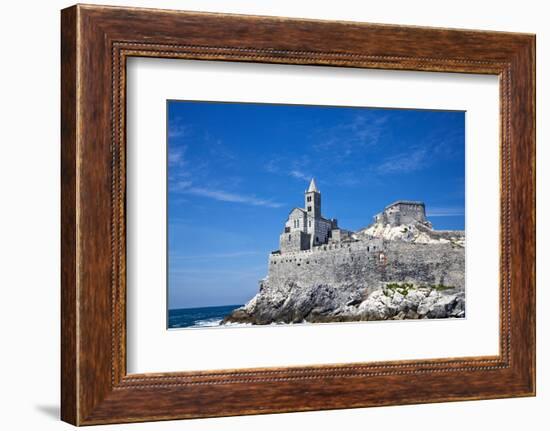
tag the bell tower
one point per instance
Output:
(313, 200)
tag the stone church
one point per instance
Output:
(306, 228)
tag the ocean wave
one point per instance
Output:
(206, 323)
(217, 323)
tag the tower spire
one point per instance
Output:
(313, 200)
(312, 186)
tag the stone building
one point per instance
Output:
(403, 212)
(306, 228)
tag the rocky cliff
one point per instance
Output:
(383, 272)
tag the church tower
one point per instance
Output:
(313, 201)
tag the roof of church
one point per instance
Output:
(305, 212)
(312, 186)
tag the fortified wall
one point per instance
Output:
(369, 265)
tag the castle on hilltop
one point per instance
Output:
(403, 212)
(306, 228)
(323, 273)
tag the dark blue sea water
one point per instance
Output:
(202, 317)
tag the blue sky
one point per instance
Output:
(236, 170)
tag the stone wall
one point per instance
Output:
(294, 240)
(297, 220)
(369, 265)
(340, 235)
(320, 231)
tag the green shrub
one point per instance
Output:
(402, 288)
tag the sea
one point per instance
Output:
(201, 317)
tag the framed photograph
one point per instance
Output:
(265, 215)
(394, 265)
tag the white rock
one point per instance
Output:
(397, 298)
(408, 233)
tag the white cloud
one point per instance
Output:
(178, 130)
(272, 166)
(228, 255)
(406, 162)
(299, 175)
(355, 135)
(224, 196)
(296, 170)
(176, 156)
(444, 211)
(212, 272)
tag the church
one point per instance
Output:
(306, 228)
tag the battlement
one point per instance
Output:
(405, 203)
(372, 245)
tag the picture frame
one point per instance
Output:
(96, 42)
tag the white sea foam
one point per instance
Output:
(215, 321)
